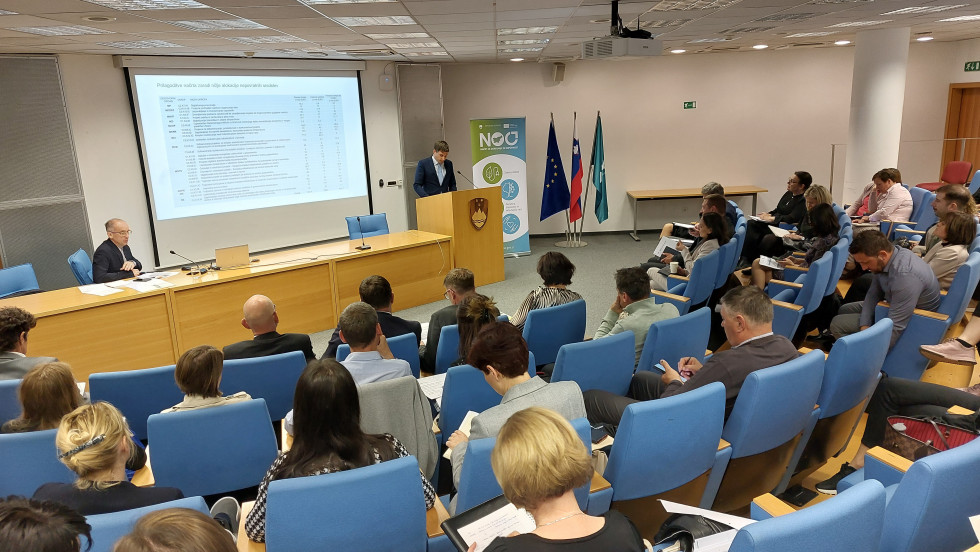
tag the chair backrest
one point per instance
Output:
(376, 507)
(975, 244)
(272, 378)
(370, 225)
(725, 266)
(786, 318)
(774, 405)
(448, 349)
(956, 172)
(930, 507)
(685, 335)
(845, 522)
(9, 402)
(213, 450)
(81, 266)
(546, 330)
(702, 278)
(605, 363)
(839, 252)
(29, 460)
(850, 372)
(975, 183)
(739, 238)
(137, 393)
(815, 284)
(922, 213)
(663, 444)
(18, 279)
(465, 389)
(108, 528)
(961, 290)
(402, 346)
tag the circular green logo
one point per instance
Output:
(492, 173)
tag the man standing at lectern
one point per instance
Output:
(113, 260)
(434, 175)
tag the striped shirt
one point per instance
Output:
(541, 298)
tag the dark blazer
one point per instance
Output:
(272, 343)
(427, 182)
(391, 326)
(107, 262)
(791, 209)
(446, 316)
(14, 366)
(121, 496)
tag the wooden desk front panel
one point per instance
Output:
(124, 335)
(212, 314)
(415, 274)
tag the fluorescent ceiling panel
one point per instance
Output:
(375, 21)
(62, 30)
(138, 5)
(141, 44)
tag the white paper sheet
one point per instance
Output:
(161, 274)
(719, 542)
(975, 522)
(665, 242)
(769, 262)
(432, 387)
(464, 426)
(779, 232)
(98, 289)
(500, 523)
(735, 522)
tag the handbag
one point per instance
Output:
(915, 438)
(685, 529)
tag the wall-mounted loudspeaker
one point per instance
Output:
(558, 72)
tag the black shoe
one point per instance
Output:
(747, 272)
(744, 262)
(829, 486)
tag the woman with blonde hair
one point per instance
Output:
(539, 460)
(774, 246)
(176, 530)
(475, 312)
(198, 375)
(46, 394)
(94, 442)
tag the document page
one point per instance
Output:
(769, 262)
(500, 523)
(665, 243)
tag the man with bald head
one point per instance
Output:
(113, 260)
(259, 315)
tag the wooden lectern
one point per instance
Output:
(474, 219)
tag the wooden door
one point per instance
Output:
(962, 121)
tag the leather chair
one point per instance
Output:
(955, 172)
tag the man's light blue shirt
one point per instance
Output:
(368, 367)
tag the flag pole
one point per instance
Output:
(570, 237)
(591, 174)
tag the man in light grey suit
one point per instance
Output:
(500, 353)
(15, 323)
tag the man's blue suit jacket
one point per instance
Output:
(427, 182)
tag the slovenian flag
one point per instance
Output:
(575, 207)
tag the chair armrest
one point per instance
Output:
(768, 506)
(670, 296)
(799, 254)
(785, 305)
(723, 444)
(795, 268)
(677, 278)
(956, 409)
(920, 312)
(784, 283)
(144, 476)
(434, 517)
(245, 545)
(885, 466)
(287, 439)
(910, 231)
(598, 483)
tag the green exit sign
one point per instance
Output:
(970, 66)
(694, 105)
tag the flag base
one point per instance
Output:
(571, 243)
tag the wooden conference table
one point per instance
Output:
(309, 285)
(637, 196)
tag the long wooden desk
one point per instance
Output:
(637, 196)
(310, 286)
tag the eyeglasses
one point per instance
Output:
(123, 232)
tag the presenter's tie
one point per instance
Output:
(440, 172)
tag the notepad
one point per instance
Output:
(481, 524)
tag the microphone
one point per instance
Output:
(467, 179)
(198, 265)
(363, 246)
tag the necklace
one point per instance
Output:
(573, 514)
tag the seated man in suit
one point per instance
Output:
(434, 175)
(460, 284)
(259, 315)
(370, 359)
(113, 260)
(746, 314)
(376, 291)
(15, 323)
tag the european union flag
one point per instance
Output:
(555, 197)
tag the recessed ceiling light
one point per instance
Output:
(98, 19)
(61, 30)
(218, 24)
(130, 44)
(760, 46)
(517, 59)
(422, 54)
(5, 12)
(526, 30)
(685, 5)
(708, 40)
(516, 50)
(859, 23)
(273, 39)
(924, 38)
(405, 45)
(678, 51)
(525, 41)
(804, 35)
(389, 36)
(924, 9)
(842, 42)
(960, 18)
(379, 21)
(137, 5)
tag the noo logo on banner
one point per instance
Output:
(492, 173)
(497, 139)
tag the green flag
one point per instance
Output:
(599, 173)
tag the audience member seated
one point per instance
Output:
(633, 308)
(556, 271)
(950, 197)
(539, 460)
(790, 209)
(955, 233)
(46, 394)
(198, 375)
(501, 354)
(41, 526)
(94, 442)
(774, 246)
(327, 437)
(710, 189)
(712, 235)
(475, 312)
(176, 530)
(887, 198)
(746, 314)
(460, 284)
(903, 397)
(899, 277)
(259, 315)
(710, 204)
(113, 259)
(376, 291)
(15, 323)
(370, 359)
(824, 229)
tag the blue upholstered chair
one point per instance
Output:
(674, 338)
(213, 450)
(809, 289)
(448, 349)
(686, 292)
(605, 363)
(81, 267)
(771, 413)
(786, 318)
(9, 402)
(546, 330)
(920, 220)
(667, 449)
(272, 378)
(29, 460)
(370, 225)
(465, 389)
(137, 393)
(108, 528)
(402, 346)
(18, 280)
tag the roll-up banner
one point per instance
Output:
(499, 151)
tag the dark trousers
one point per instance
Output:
(918, 399)
(603, 407)
(755, 231)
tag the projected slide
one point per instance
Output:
(218, 144)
